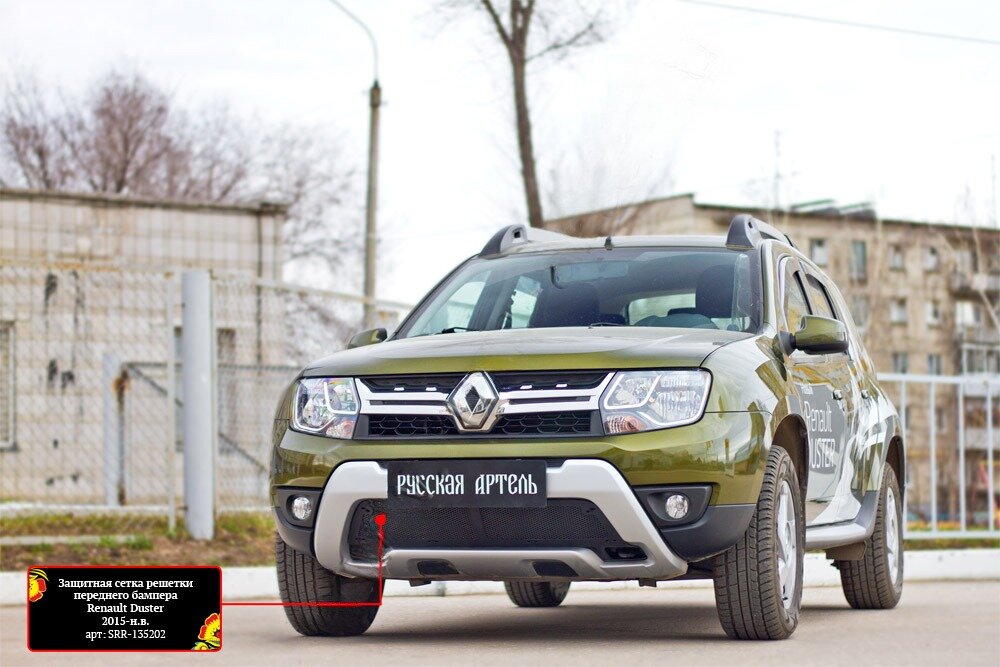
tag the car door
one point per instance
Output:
(817, 380)
(835, 465)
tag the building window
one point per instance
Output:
(817, 251)
(897, 258)
(897, 311)
(860, 310)
(859, 260)
(934, 364)
(932, 259)
(965, 261)
(900, 362)
(933, 313)
(7, 387)
(968, 314)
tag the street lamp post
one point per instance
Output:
(371, 199)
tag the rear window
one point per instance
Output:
(703, 288)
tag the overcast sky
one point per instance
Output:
(682, 98)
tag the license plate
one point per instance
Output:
(444, 483)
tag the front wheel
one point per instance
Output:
(758, 581)
(301, 579)
(876, 581)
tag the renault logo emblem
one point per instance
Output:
(474, 402)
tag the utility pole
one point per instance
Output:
(371, 238)
(371, 200)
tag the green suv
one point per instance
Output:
(561, 409)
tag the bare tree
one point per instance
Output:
(126, 136)
(530, 30)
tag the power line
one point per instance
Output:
(848, 24)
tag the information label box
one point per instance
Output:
(124, 608)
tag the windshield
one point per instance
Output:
(703, 288)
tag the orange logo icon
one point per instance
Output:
(36, 583)
(210, 635)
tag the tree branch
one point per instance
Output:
(497, 23)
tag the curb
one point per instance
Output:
(248, 583)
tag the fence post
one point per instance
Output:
(171, 399)
(932, 425)
(113, 445)
(197, 340)
(961, 457)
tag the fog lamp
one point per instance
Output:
(677, 506)
(302, 508)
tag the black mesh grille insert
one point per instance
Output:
(563, 523)
(416, 383)
(512, 381)
(546, 423)
(403, 426)
(580, 422)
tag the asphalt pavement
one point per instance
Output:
(954, 623)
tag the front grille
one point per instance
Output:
(563, 523)
(540, 424)
(513, 381)
(546, 423)
(443, 383)
(407, 426)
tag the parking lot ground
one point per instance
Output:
(955, 623)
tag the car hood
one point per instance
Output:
(530, 349)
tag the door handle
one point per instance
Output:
(838, 394)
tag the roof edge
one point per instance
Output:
(104, 199)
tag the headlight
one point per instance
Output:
(647, 400)
(328, 406)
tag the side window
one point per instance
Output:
(819, 298)
(796, 304)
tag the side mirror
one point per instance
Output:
(820, 335)
(369, 337)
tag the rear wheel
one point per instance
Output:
(536, 593)
(302, 579)
(876, 581)
(758, 581)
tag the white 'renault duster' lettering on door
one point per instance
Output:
(491, 483)
(430, 485)
(825, 451)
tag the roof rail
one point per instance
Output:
(746, 231)
(513, 235)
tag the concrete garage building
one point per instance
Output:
(925, 295)
(85, 286)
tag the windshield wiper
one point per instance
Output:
(454, 330)
(605, 324)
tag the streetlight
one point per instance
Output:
(374, 102)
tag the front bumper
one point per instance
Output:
(593, 480)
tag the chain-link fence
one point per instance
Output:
(81, 442)
(90, 430)
(266, 332)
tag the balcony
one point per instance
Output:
(967, 284)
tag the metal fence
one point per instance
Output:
(950, 424)
(91, 393)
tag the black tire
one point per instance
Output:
(536, 593)
(872, 582)
(748, 585)
(302, 579)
